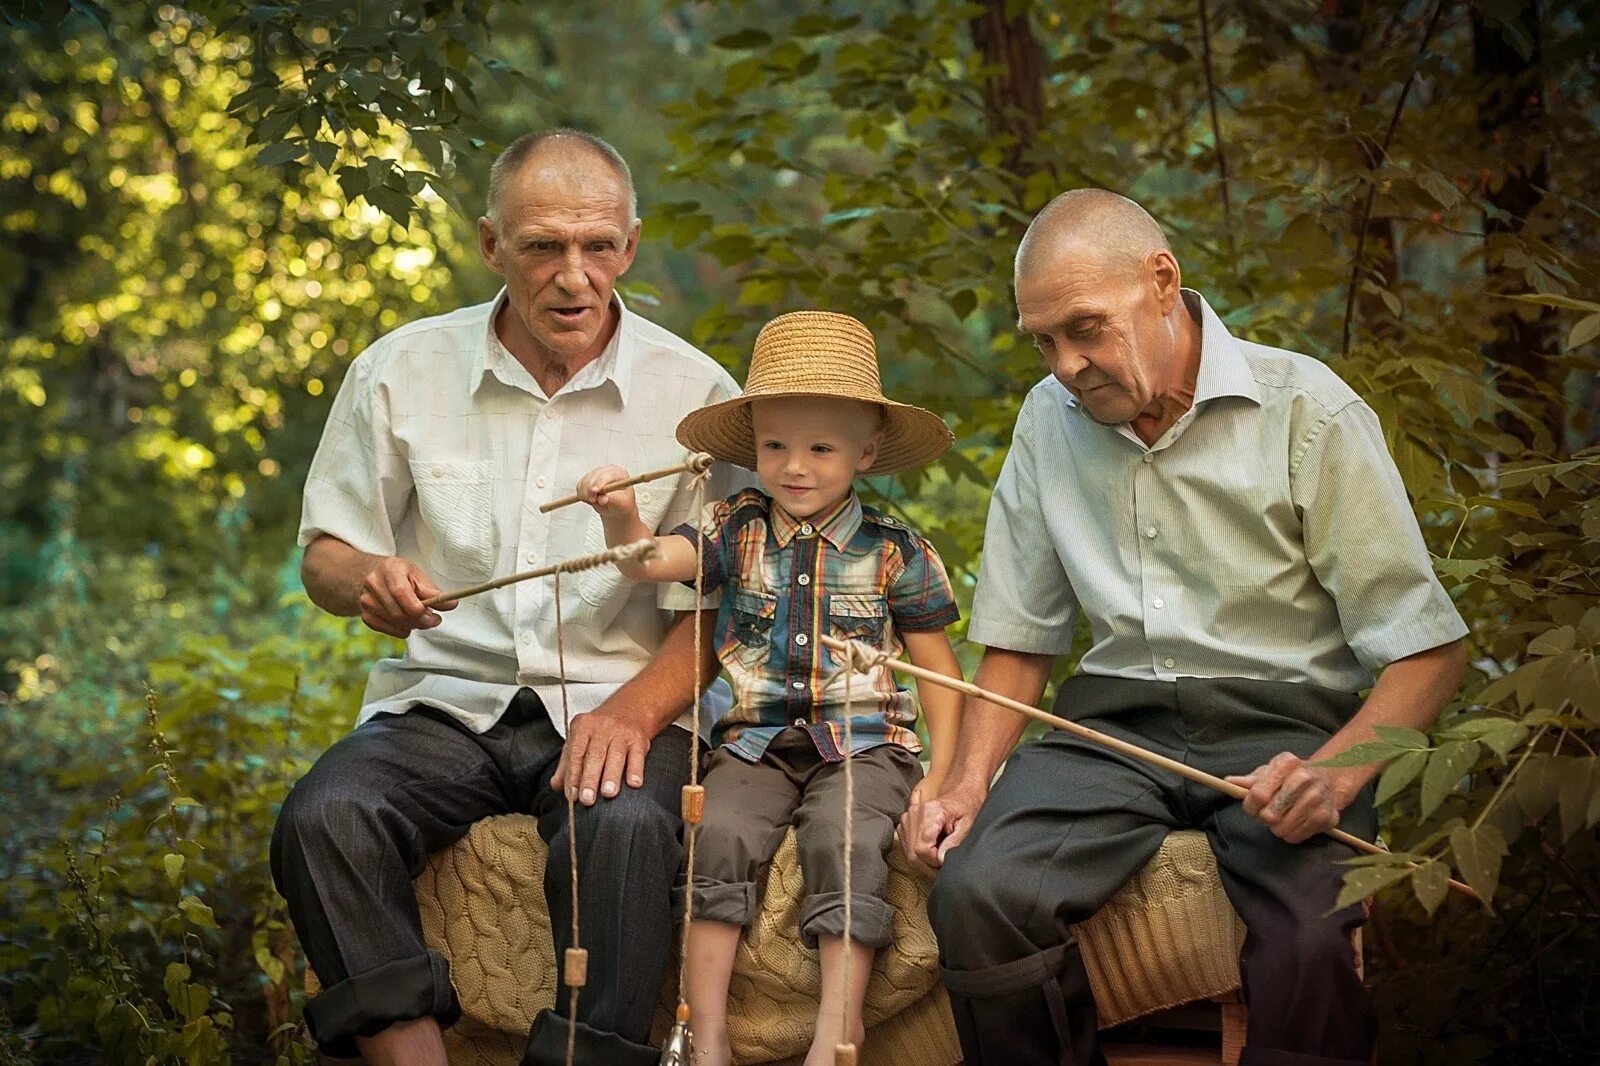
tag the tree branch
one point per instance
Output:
(1216, 128)
(1372, 186)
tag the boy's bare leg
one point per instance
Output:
(708, 969)
(417, 1042)
(831, 1025)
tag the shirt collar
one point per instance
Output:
(615, 364)
(1223, 368)
(836, 527)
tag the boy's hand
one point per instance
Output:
(619, 503)
(928, 787)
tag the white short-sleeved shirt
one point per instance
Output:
(440, 448)
(1266, 535)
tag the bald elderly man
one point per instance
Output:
(444, 439)
(1229, 521)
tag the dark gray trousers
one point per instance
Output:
(357, 829)
(1069, 822)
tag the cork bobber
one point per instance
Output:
(694, 803)
(844, 1055)
(576, 970)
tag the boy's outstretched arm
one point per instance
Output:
(619, 515)
(941, 706)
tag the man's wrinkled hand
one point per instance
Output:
(1293, 798)
(391, 598)
(603, 747)
(928, 830)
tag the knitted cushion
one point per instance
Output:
(1167, 937)
(482, 904)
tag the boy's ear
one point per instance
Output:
(869, 452)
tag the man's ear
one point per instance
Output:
(489, 244)
(1166, 278)
(632, 248)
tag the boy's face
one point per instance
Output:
(809, 449)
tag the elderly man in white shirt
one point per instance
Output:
(1227, 518)
(445, 438)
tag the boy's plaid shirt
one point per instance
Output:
(862, 574)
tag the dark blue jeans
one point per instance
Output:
(357, 829)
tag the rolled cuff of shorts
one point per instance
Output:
(718, 901)
(366, 1004)
(547, 1044)
(1271, 1057)
(823, 915)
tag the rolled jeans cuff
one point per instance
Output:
(732, 903)
(823, 915)
(1252, 1056)
(366, 1004)
(547, 1045)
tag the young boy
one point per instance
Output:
(802, 559)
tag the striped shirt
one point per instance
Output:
(867, 576)
(1265, 535)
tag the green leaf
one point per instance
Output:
(1400, 773)
(1363, 881)
(749, 38)
(1431, 883)
(1538, 784)
(197, 912)
(1497, 734)
(1446, 767)
(270, 964)
(280, 152)
(1361, 754)
(173, 983)
(1554, 641)
(1583, 689)
(1580, 778)
(1586, 330)
(1478, 853)
(173, 862)
(1401, 737)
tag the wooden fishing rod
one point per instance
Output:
(698, 463)
(638, 551)
(862, 657)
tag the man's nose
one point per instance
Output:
(1068, 365)
(572, 277)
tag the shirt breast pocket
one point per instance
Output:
(599, 584)
(749, 641)
(853, 616)
(454, 498)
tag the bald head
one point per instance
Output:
(569, 154)
(1091, 224)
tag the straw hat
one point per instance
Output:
(816, 353)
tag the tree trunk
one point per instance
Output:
(1015, 95)
(1511, 120)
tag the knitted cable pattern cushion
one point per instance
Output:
(482, 905)
(1169, 936)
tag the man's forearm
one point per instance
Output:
(332, 572)
(988, 731)
(1410, 692)
(660, 692)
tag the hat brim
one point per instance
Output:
(912, 436)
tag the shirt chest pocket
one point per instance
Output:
(749, 640)
(454, 498)
(853, 616)
(598, 585)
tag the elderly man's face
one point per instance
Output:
(1100, 327)
(565, 236)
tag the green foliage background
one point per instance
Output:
(206, 211)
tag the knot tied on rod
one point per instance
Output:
(698, 464)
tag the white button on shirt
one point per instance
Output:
(1283, 522)
(434, 452)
